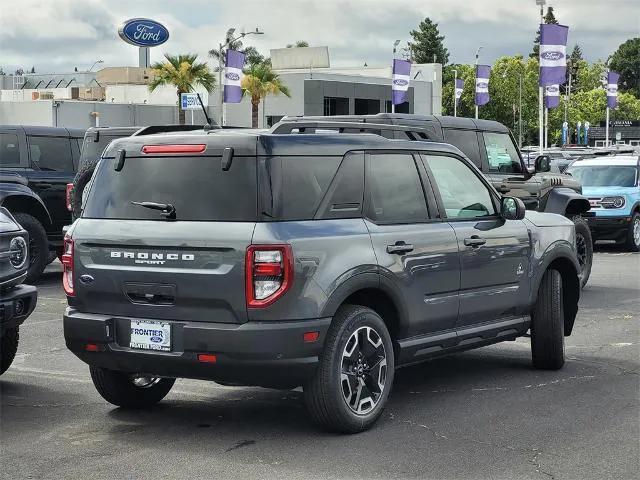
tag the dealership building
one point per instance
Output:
(119, 96)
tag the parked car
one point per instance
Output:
(36, 163)
(325, 261)
(612, 185)
(95, 141)
(17, 300)
(490, 146)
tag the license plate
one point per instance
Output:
(151, 336)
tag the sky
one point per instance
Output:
(58, 35)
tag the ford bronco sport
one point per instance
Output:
(322, 261)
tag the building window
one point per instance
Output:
(336, 106)
(367, 106)
(402, 108)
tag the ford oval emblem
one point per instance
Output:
(552, 55)
(156, 339)
(553, 89)
(401, 82)
(86, 278)
(232, 76)
(143, 32)
(483, 85)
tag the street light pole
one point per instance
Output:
(395, 45)
(520, 110)
(476, 87)
(455, 93)
(540, 90)
(94, 64)
(221, 58)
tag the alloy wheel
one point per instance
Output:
(636, 231)
(364, 370)
(581, 251)
(143, 381)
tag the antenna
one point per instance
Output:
(208, 126)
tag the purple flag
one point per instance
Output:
(553, 54)
(551, 96)
(400, 80)
(233, 76)
(612, 89)
(459, 88)
(482, 84)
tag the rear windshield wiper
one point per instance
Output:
(167, 209)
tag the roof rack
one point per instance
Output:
(288, 125)
(153, 129)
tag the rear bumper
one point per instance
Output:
(609, 227)
(16, 304)
(266, 354)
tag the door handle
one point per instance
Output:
(399, 248)
(474, 241)
(503, 189)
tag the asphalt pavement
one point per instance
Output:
(483, 414)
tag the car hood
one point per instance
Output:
(541, 219)
(7, 223)
(607, 191)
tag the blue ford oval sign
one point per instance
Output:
(143, 32)
(552, 55)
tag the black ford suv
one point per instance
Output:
(17, 300)
(322, 261)
(36, 164)
(490, 146)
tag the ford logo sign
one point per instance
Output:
(552, 55)
(483, 85)
(143, 32)
(232, 76)
(613, 89)
(552, 89)
(156, 339)
(401, 82)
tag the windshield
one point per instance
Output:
(183, 188)
(604, 175)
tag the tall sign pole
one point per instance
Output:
(477, 56)
(540, 88)
(455, 93)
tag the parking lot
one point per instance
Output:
(481, 414)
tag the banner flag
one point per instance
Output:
(482, 84)
(233, 76)
(553, 54)
(400, 80)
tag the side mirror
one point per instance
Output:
(543, 163)
(512, 208)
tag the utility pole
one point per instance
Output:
(476, 87)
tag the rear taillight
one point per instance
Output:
(67, 266)
(269, 273)
(68, 196)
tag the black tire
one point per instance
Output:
(633, 236)
(547, 323)
(80, 181)
(8, 348)
(326, 393)
(118, 388)
(38, 246)
(584, 245)
(53, 254)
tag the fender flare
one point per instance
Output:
(565, 253)
(367, 280)
(565, 201)
(17, 190)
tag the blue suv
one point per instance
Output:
(612, 185)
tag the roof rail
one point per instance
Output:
(167, 128)
(289, 124)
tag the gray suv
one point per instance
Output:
(324, 261)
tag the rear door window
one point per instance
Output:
(9, 150)
(501, 153)
(466, 141)
(394, 189)
(197, 187)
(50, 153)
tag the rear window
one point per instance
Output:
(197, 187)
(92, 149)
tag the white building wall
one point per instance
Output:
(165, 95)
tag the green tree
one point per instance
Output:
(548, 19)
(428, 44)
(298, 44)
(253, 56)
(258, 82)
(184, 73)
(626, 61)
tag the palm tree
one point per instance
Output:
(298, 44)
(258, 82)
(219, 54)
(183, 72)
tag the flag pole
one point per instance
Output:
(606, 129)
(546, 127)
(476, 87)
(455, 98)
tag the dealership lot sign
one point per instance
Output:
(143, 32)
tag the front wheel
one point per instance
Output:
(354, 377)
(633, 236)
(130, 391)
(8, 348)
(547, 323)
(584, 249)
(38, 245)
